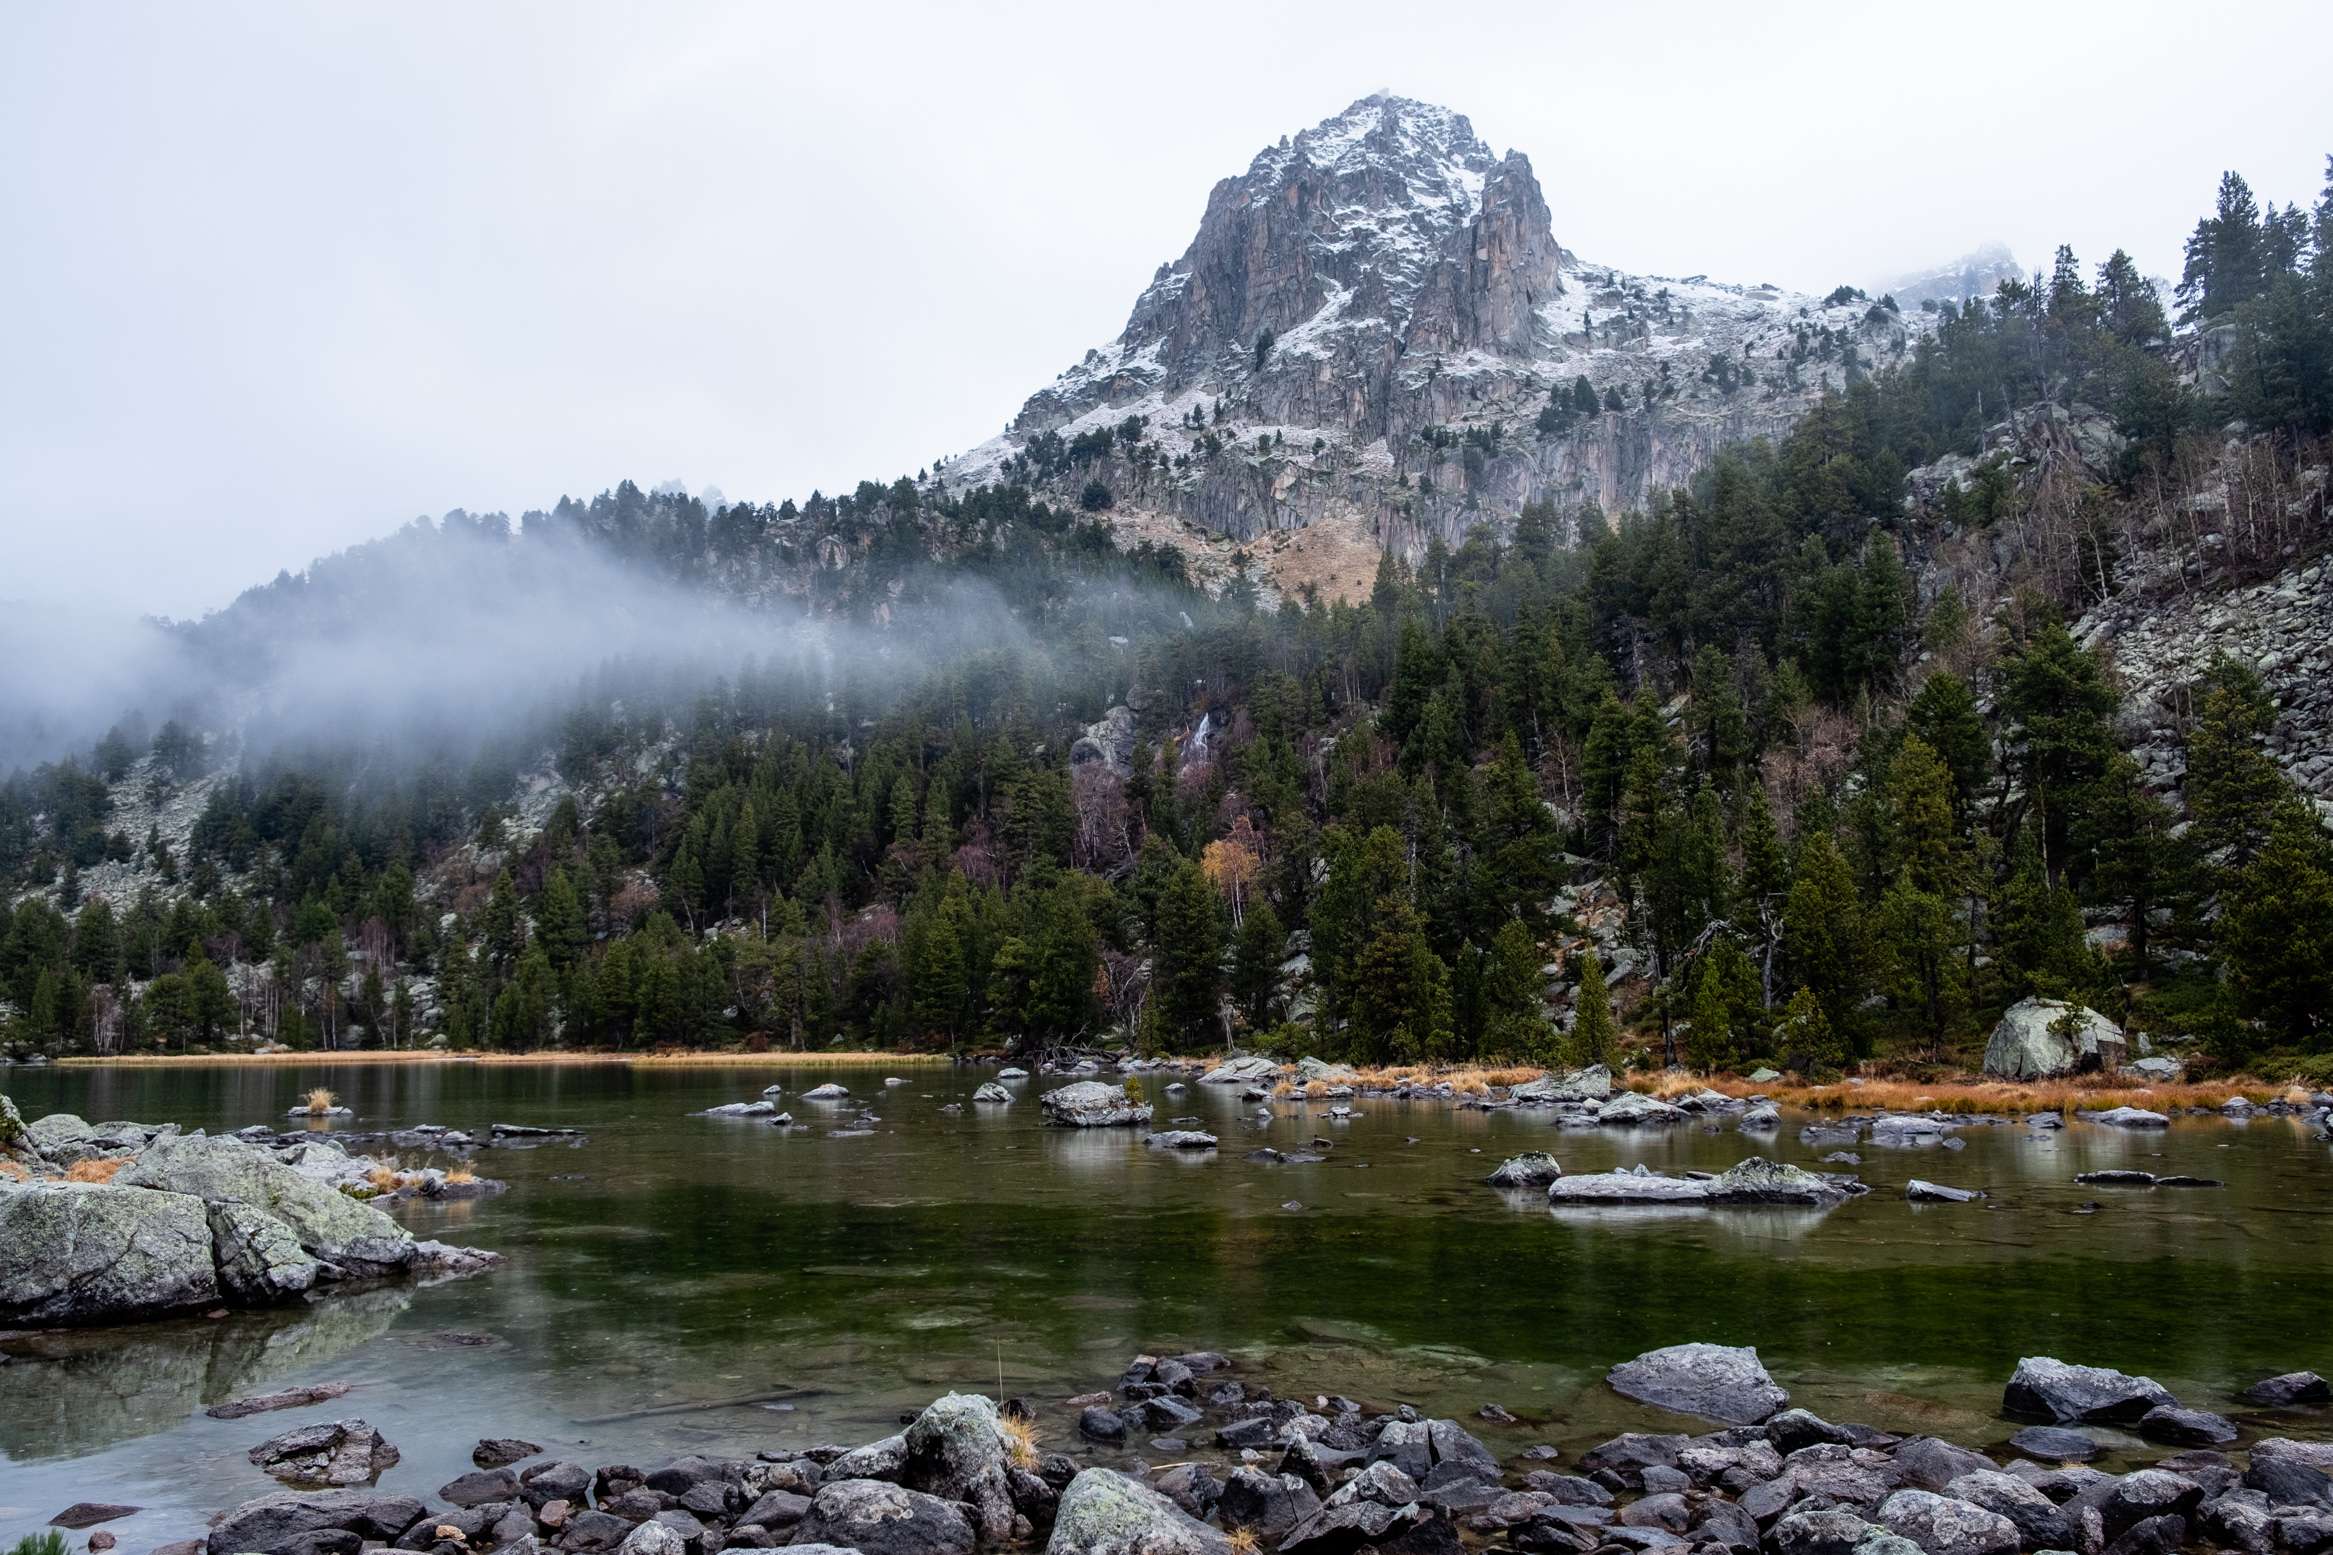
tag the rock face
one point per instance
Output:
(2043, 1388)
(98, 1253)
(2024, 1045)
(1714, 1381)
(1106, 1513)
(1382, 298)
(1091, 1104)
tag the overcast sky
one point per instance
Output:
(279, 278)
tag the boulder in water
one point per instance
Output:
(101, 1253)
(1106, 1513)
(1533, 1169)
(335, 1453)
(2044, 1388)
(1091, 1104)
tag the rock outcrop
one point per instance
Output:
(1091, 1104)
(2038, 1039)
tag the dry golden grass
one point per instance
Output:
(1243, 1541)
(1020, 1439)
(384, 1175)
(99, 1170)
(321, 1101)
(13, 1172)
(462, 1175)
(2079, 1093)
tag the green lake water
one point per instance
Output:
(682, 1260)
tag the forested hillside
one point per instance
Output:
(1803, 764)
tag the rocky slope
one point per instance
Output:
(1367, 328)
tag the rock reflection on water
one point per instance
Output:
(69, 1392)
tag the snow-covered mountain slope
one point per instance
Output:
(1976, 273)
(1369, 326)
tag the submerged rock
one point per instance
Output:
(1921, 1191)
(1714, 1381)
(740, 1109)
(1180, 1139)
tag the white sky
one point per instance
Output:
(281, 277)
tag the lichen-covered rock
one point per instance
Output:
(1106, 1513)
(1945, 1525)
(993, 1092)
(878, 1518)
(956, 1450)
(2028, 1044)
(1091, 1104)
(1715, 1381)
(1757, 1180)
(101, 1253)
(259, 1261)
(328, 1224)
(1634, 1109)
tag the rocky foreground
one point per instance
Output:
(119, 1222)
(1327, 1476)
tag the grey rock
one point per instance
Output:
(1107, 1513)
(1760, 1181)
(1634, 1109)
(740, 1109)
(101, 1253)
(259, 1261)
(2024, 1046)
(1627, 1188)
(2186, 1427)
(289, 1522)
(1091, 1104)
(484, 1487)
(1716, 1382)
(956, 1450)
(830, 1091)
(1593, 1083)
(993, 1093)
(1920, 1191)
(2294, 1388)
(2041, 1523)
(1180, 1139)
(1927, 1463)
(1945, 1525)
(2043, 1388)
(2129, 1117)
(1533, 1169)
(335, 1454)
(878, 1518)
(1821, 1531)
(328, 1224)
(2055, 1444)
(495, 1452)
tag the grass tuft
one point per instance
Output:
(463, 1174)
(100, 1169)
(1020, 1439)
(321, 1101)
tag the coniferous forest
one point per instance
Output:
(1801, 766)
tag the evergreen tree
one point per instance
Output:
(2276, 930)
(1187, 962)
(1595, 1036)
(1515, 1024)
(1255, 976)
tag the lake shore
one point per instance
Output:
(392, 1056)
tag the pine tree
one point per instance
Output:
(1595, 1036)
(2276, 930)
(1255, 976)
(1515, 1024)
(1186, 976)
(559, 921)
(1826, 939)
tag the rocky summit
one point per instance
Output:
(1377, 327)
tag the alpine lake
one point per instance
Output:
(676, 1283)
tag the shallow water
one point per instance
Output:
(683, 1260)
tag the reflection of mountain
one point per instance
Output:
(66, 1392)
